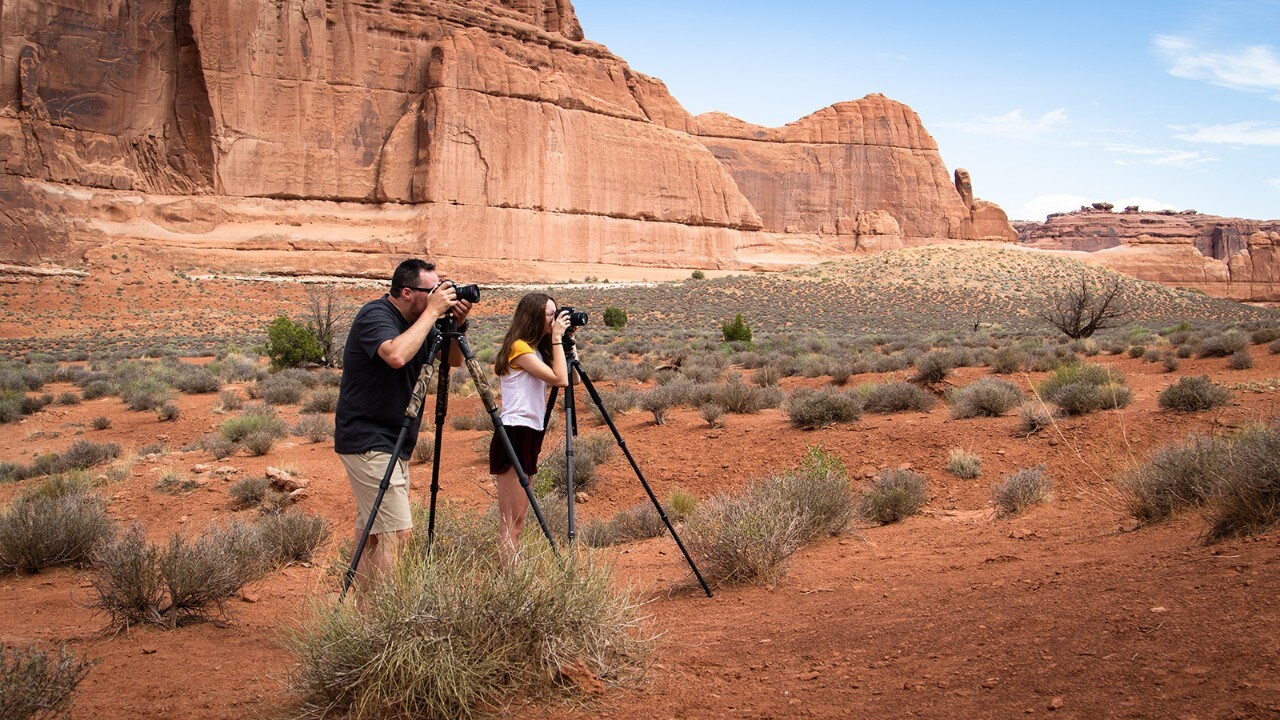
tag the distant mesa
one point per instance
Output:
(333, 138)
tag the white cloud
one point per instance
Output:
(1162, 157)
(1037, 208)
(1013, 125)
(1241, 133)
(1145, 204)
(1275, 183)
(1254, 68)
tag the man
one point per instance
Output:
(385, 352)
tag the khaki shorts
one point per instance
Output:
(364, 472)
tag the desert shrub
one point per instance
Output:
(82, 455)
(281, 389)
(478, 419)
(896, 397)
(964, 464)
(713, 413)
(217, 445)
(748, 537)
(168, 412)
(39, 684)
(448, 635)
(1274, 348)
(249, 492)
(637, 523)
(102, 422)
(96, 389)
(291, 344)
(680, 505)
(52, 527)
(986, 397)
(145, 393)
(1222, 345)
(1240, 360)
(735, 396)
(589, 453)
(259, 442)
(322, 400)
(736, 331)
(1172, 479)
(1081, 388)
(67, 398)
(1137, 351)
(184, 580)
(893, 495)
(1184, 351)
(1262, 336)
(10, 405)
(1246, 499)
(425, 449)
(1193, 394)
(933, 367)
(615, 317)
(291, 537)
(698, 275)
(1021, 490)
(315, 428)
(813, 409)
(196, 380)
(172, 482)
(255, 419)
(1033, 417)
(659, 401)
(231, 400)
(1007, 360)
(766, 375)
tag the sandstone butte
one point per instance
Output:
(298, 137)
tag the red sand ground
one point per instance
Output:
(1069, 610)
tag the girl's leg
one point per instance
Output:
(512, 504)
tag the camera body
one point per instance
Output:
(577, 318)
(470, 293)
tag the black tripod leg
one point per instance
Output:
(486, 396)
(595, 397)
(442, 408)
(411, 413)
(570, 429)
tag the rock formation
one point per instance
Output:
(298, 136)
(1229, 257)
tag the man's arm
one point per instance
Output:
(399, 350)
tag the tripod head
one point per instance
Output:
(448, 325)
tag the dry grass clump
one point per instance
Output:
(322, 400)
(181, 581)
(895, 397)
(964, 464)
(1193, 394)
(589, 453)
(986, 397)
(1222, 345)
(281, 388)
(1019, 491)
(425, 449)
(736, 396)
(894, 495)
(1173, 479)
(249, 492)
(1246, 498)
(451, 635)
(196, 380)
(39, 684)
(933, 367)
(748, 537)
(1240, 360)
(82, 455)
(659, 401)
(1033, 417)
(1080, 388)
(712, 413)
(637, 523)
(1007, 360)
(231, 400)
(814, 409)
(314, 427)
(291, 537)
(56, 523)
(256, 418)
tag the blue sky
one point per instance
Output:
(1048, 104)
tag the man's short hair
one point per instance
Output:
(407, 272)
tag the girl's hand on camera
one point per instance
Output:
(559, 325)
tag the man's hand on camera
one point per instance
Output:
(461, 310)
(442, 299)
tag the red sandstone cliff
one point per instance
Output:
(300, 136)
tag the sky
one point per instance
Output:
(1050, 105)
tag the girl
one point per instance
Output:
(531, 356)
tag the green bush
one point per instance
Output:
(736, 331)
(894, 495)
(615, 317)
(986, 397)
(698, 275)
(1193, 394)
(259, 418)
(449, 635)
(1019, 491)
(39, 684)
(291, 344)
(1081, 388)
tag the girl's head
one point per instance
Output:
(532, 324)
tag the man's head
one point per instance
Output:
(412, 283)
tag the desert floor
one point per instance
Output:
(1070, 610)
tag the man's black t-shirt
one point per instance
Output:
(373, 395)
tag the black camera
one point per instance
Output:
(577, 318)
(470, 293)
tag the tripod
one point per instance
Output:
(571, 429)
(446, 335)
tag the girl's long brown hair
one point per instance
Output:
(527, 324)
